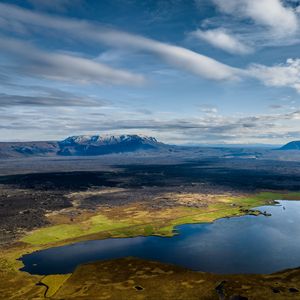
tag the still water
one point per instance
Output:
(246, 244)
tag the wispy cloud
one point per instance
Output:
(207, 128)
(282, 20)
(221, 38)
(9, 100)
(58, 66)
(281, 75)
(176, 56)
(61, 66)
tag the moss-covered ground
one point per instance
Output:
(130, 220)
(132, 278)
(138, 220)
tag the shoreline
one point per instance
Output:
(15, 251)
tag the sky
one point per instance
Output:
(183, 71)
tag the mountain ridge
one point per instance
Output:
(81, 145)
(105, 144)
(293, 145)
(93, 145)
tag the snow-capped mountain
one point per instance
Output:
(82, 145)
(106, 139)
(104, 144)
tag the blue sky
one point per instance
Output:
(184, 71)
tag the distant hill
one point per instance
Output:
(82, 145)
(294, 145)
(21, 149)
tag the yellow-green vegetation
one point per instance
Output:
(15, 284)
(265, 198)
(132, 278)
(53, 283)
(69, 231)
(132, 221)
(142, 221)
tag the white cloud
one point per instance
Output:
(64, 67)
(57, 122)
(221, 38)
(282, 20)
(282, 75)
(179, 57)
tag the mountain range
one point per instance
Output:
(98, 145)
(88, 145)
(81, 145)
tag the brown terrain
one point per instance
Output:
(143, 192)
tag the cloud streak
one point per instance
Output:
(282, 20)
(282, 75)
(61, 66)
(64, 67)
(176, 56)
(207, 128)
(221, 38)
(7, 100)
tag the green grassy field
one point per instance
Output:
(161, 223)
(135, 221)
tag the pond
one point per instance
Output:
(246, 244)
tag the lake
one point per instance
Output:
(246, 244)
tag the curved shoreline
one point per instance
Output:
(93, 250)
(11, 265)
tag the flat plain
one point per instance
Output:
(79, 199)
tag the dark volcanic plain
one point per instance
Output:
(34, 188)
